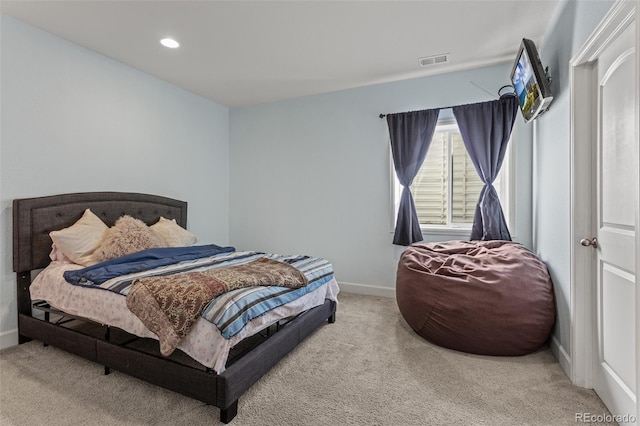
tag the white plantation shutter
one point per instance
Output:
(430, 185)
(447, 160)
(466, 183)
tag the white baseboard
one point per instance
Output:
(369, 290)
(8, 339)
(561, 355)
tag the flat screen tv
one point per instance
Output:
(530, 81)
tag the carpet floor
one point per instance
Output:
(369, 368)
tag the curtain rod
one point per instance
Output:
(453, 106)
(449, 107)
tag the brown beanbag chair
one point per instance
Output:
(482, 297)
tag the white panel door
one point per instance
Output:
(617, 165)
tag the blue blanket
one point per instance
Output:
(141, 261)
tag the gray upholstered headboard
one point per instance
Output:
(34, 218)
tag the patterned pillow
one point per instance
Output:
(128, 235)
(173, 234)
(79, 241)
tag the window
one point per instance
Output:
(447, 187)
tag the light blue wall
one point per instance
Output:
(312, 175)
(76, 121)
(572, 25)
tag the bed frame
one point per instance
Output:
(34, 218)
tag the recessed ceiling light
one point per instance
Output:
(170, 43)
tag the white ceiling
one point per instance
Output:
(240, 53)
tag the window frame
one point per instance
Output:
(506, 192)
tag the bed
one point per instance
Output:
(246, 355)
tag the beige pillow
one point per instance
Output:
(79, 241)
(128, 235)
(57, 255)
(173, 234)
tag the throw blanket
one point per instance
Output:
(141, 261)
(169, 305)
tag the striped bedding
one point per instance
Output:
(231, 311)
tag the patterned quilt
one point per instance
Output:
(169, 305)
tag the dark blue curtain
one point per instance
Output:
(485, 128)
(410, 134)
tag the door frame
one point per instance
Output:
(583, 131)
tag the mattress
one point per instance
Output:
(204, 342)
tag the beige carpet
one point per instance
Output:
(369, 368)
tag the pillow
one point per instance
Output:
(173, 234)
(57, 255)
(79, 241)
(128, 235)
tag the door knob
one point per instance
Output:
(593, 242)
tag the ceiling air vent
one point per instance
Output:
(435, 59)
